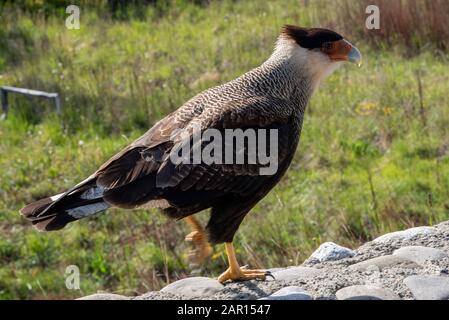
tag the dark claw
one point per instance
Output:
(269, 274)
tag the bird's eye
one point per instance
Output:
(327, 46)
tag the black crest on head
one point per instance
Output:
(310, 38)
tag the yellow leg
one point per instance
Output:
(235, 272)
(198, 238)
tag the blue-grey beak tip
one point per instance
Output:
(355, 56)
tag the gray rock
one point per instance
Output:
(366, 292)
(289, 293)
(104, 296)
(405, 234)
(383, 262)
(419, 254)
(428, 287)
(194, 287)
(330, 251)
(293, 273)
(275, 269)
(443, 225)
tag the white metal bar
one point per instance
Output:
(29, 92)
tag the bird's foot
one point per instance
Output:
(243, 274)
(201, 249)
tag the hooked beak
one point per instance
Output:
(355, 56)
(343, 50)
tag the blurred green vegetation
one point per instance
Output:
(371, 159)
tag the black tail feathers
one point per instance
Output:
(45, 221)
(56, 212)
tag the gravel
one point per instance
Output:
(409, 264)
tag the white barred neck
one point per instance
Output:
(312, 64)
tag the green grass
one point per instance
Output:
(368, 163)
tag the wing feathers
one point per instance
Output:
(144, 171)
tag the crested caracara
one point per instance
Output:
(272, 96)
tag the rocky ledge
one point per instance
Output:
(409, 264)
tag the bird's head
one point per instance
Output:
(318, 51)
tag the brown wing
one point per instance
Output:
(144, 155)
(144, 171)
